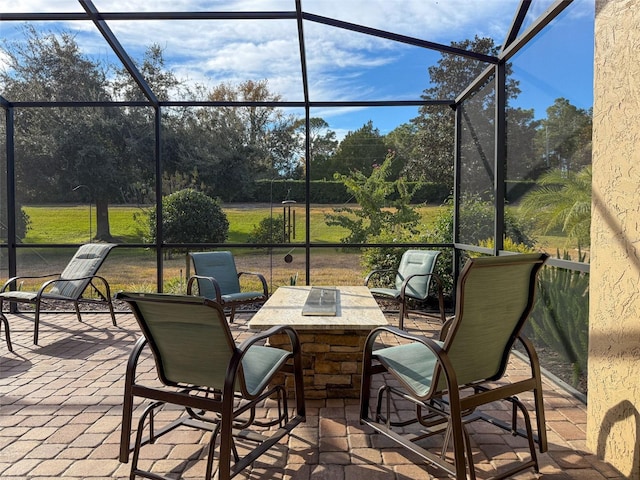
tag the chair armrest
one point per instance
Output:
(263, 281)
(438, 281)
(241, 350)
(213, 282)
(25, 277)
(52, 282)
(443, 358)
(446, 326)
(104, 282)
(290, 331)
(374, 273)
(402, 334)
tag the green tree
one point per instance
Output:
(154, 70)
(562, 201)
(323, 145)
(383, 206)
(182, 138)
(523, 162)
(266, 133)
(564, 138)
(435, 140)
(402, 140)
(362, 150)
(66, 147)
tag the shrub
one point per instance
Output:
(23, 224)
(382, 206)
(189, 216)
(477, 216)
(269, 230)
(560, 318)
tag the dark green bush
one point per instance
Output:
(23, 224)
(269, 230)
(560, 318)
(477, 216)
(189, 216)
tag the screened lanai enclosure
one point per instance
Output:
(314, 139)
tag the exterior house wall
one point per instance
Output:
(614, 340)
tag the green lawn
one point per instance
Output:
(70, 224)
(136, 269)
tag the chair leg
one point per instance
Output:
(111, 311)
(224, 457)
(125, 432)
(148, 412)
(402, 314)
(212, 451)
(457, 435)
(233, 314)
(36, 323)
(7, 335)
(469, 454)
(540, 420)
(77, 307)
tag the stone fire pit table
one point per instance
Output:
(332, 343)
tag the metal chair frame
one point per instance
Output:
(228, 412)
(447, 405)
(402, 296)
(67, 286)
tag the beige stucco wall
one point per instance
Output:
(614, 350)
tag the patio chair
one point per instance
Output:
(218, 279)
(68, 286)
(220, 385)
(447, 380)
(412, 281)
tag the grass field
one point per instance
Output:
(135, 268)
(70, 224)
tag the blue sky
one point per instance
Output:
(344, 65)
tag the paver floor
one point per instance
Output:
(61, 401)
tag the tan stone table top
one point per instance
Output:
(357, 310)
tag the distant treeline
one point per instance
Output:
(334, 192)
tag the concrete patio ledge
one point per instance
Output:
(60, 407)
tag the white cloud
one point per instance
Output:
(340, 62)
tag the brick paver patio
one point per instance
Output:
(60, 407)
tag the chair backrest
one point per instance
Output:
(219, 265)
(85, 263)
(189, 337)
(495, 296)
(416, 262)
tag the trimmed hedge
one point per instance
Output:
(331, 192)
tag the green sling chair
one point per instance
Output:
(447, 380)
(68, 286)
(219, 384)
(412, 281)
(218, 279)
